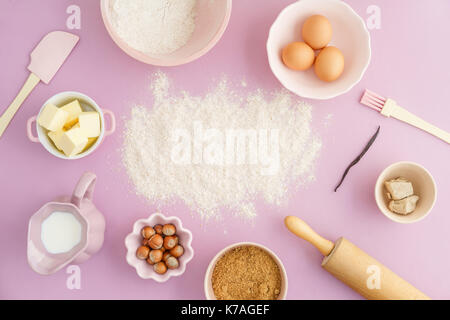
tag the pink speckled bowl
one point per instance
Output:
(210, 24)
(134, 241)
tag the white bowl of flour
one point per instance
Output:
(166, 32)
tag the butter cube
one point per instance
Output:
(90, 123)
(74, 110)
(55, 136)
(73, 141)
(91, 142)
(404, 206)
(399, 188)
(52, 118)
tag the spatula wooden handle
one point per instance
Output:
(304, 231)
(6, 118)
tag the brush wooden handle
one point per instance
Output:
(304, 231)
(6, 118)
(392, 109)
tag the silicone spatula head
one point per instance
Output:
(50, 54)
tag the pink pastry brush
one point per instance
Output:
(390, 108)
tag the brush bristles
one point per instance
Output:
(373, 100)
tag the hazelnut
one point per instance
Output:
(147, 232)
(155, 256)
(150, 262)
(177, 251)
(170, 242)
(169, 230)
(142, 252)
(172, 263)
(145, 242)
(163, 249)
(166, 255)
(156, 242)
(160, 268)
(158, 228)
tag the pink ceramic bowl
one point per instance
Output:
(211, 22)
(134, 241)
(209, 292)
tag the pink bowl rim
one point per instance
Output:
(209, 270)
(161, 62)
(187, 244)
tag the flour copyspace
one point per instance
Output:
(156, 26)
(220, 150)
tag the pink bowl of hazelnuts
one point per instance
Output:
(159, 247)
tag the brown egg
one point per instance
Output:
(317, 31)
(298, 56)
(329, 64)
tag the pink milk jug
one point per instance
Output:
(80, 211)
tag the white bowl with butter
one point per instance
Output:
(87, 105)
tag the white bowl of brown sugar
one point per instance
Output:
(246, 271)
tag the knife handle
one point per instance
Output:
(6, 118)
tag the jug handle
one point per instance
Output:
(84, 188)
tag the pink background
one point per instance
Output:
(410, 63)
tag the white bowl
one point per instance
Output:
(423, 184)
(87, 104)
(209, 292)
(350, 35)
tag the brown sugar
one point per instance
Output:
(246, 273)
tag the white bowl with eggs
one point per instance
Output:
(87, 104)
(350, 36)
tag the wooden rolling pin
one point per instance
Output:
(356, 268)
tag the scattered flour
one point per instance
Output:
(328, 119)
(154, 26)
(208, 187)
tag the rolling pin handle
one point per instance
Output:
(304, 231)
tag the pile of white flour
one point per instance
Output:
(184, 148)
(154, 26)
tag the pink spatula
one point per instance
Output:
(46, 59)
